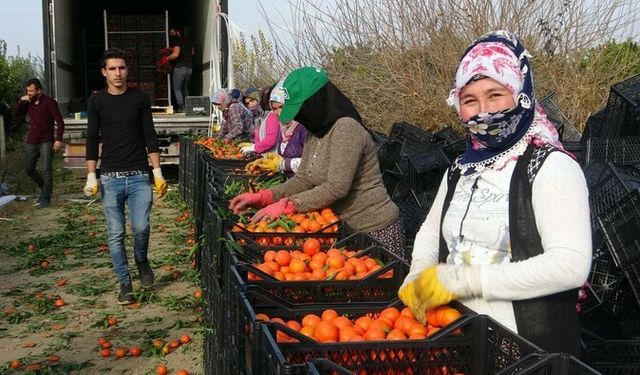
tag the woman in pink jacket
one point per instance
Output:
(266, 134)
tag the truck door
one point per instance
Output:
(50, 48)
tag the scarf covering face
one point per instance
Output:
(321, 110)
(494, 138)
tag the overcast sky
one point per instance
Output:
(21, 21)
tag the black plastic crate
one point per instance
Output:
(621, 227)
(404, 140)
(549, 364)
(215, 226)
(230, 163)
(615, 182)
(390, 158)
(253, 252)
(379, 138)
(617, 317)
(403, 131)
(197, 106)
(446, 136)
(187, 169)
(113, 22)
(472, 345)
(575, 149)
(199, 192)
(414, 206)
(566, 130)
(604, 277)
(378, 286)
(624, 150)
(621, 116)
(230, 182)
(221, 355)
(286, 241)
(615, 357)
(594, 173)
(158, 22)
(212, 350)
(426, 169)
(321, 366)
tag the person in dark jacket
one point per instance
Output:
(508, 233)
(182, 52)
(41, 140)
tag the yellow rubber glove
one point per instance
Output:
(159, 183)
(271, 162)
(431, 291)
(407, 294)
(91, 186)
(440, 284)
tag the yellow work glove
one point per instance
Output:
(91, 186)
(440, 284)
(159, 183)
(431, 291)
(407, 294)
(271, 162)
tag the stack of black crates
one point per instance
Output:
(412, 162)
(141, 37)
(611, 161)
(237, 342)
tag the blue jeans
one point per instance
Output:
(31, 155)
(136, 192)
(180, 82)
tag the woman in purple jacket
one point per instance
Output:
(290, 140)
(290, 144)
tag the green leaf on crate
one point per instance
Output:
(195, 249)
(380, 263)
(232, 245)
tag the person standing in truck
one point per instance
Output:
(182, 52)
(41, 141)
(120, 119)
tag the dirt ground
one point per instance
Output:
(60, 252)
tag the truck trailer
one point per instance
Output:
(76, 33)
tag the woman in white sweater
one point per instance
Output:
(508, 233)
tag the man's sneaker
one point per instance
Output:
(126, 295)
(146, 275)
(43, 202)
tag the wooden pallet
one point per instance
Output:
(167, 110)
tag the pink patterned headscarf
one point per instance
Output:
(505, 134)
(493, 60)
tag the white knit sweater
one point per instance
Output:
(561, 207)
